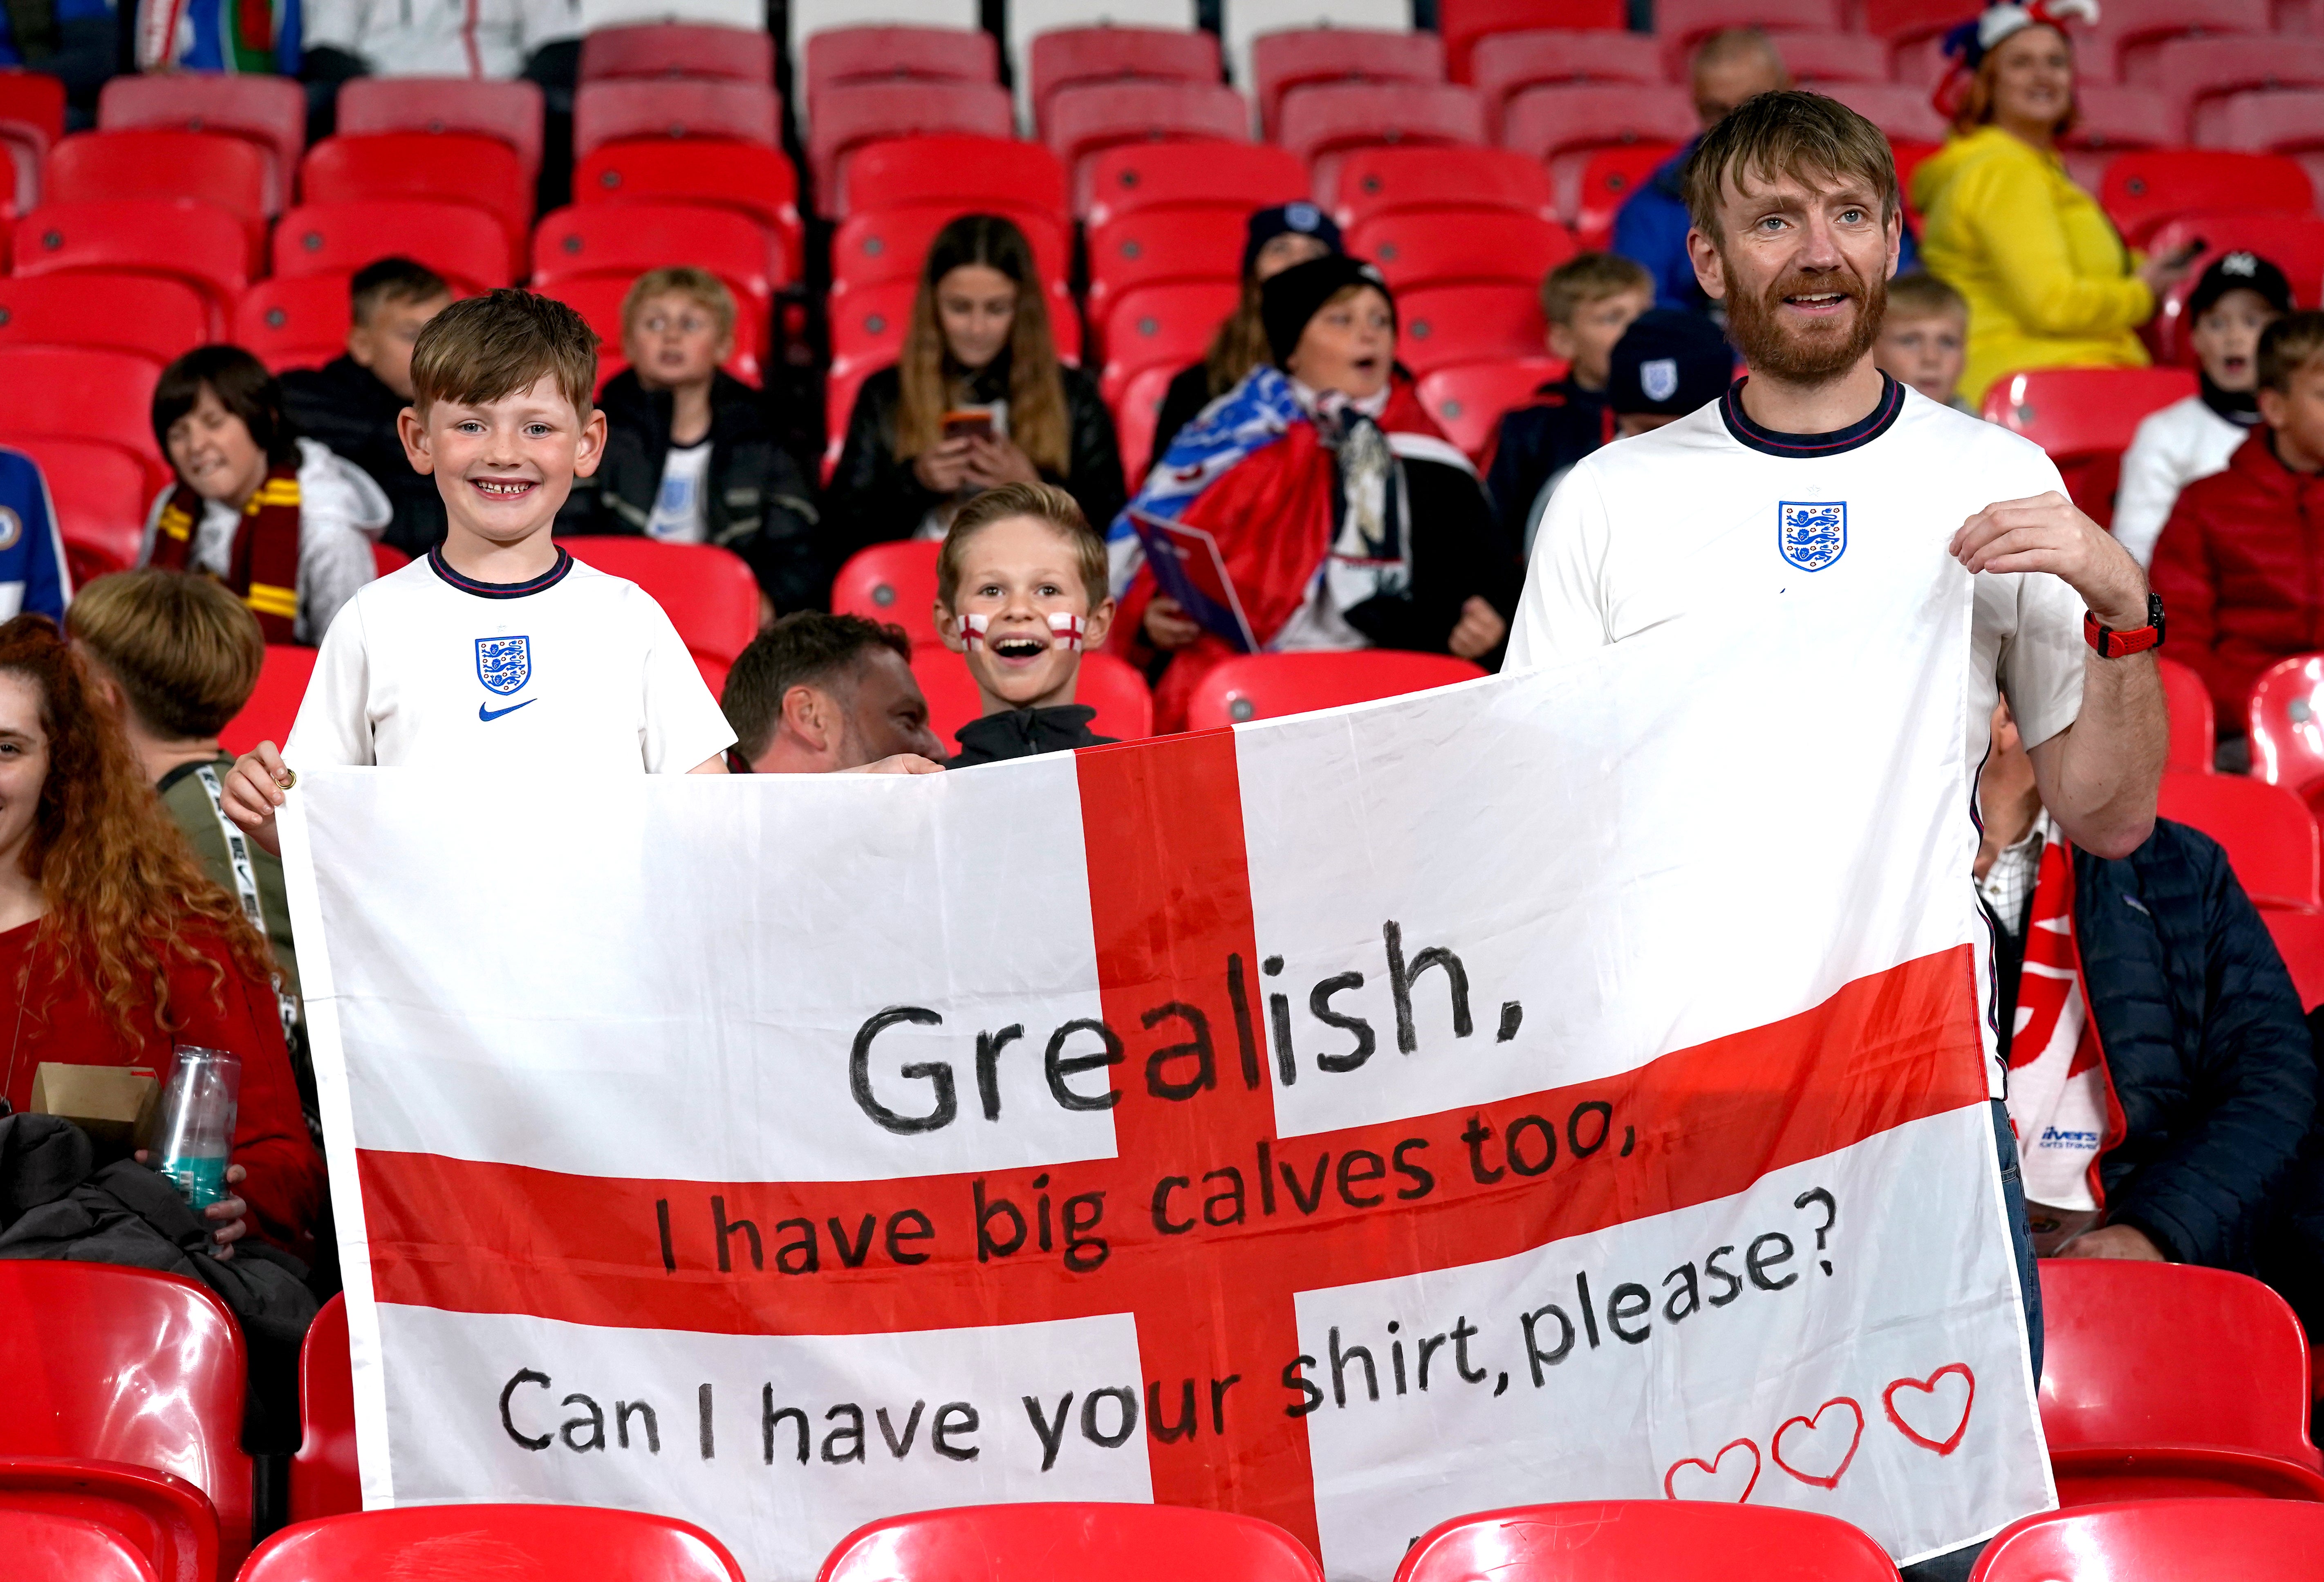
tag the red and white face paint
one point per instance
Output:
(971, 628)
(1066, 630)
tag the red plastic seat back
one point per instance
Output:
(604, 238)
(1610, 178)
(2193, 728)
(1157, 245)
(1469, 400)
(508, 112)
(31, 119)
(1244, 176)
(1112, 687)
(2278, 120)
(164, 1520)
(684, 108)
(1266, 686)
(1136, 408)
(1541, 122)
(1816, 58)
(868, 324)
(1123, 1542)
(1380, 181)
(748, 177)
(2193, 73)
(198, 243)
(2294, 242)
(1065, 56)
(294, 321)
(1901, 110)
(267, 112)
(1618, 1541)
(518, 1543)
(679, 49)
(2085, 418)
(1085, 118)
(874, 246)
(1325, 117)
(708, 593)
(893, 583)
(2252, 1540)
(79, 393)
(2119, 116)
(211, 167)
(849, 117)
(2145, 188)
(272, 707)
(2270, 836)
(101, 492)
(2287, 736)
(1507, 64)
(455, 167)
(466, 246)
(1683, 23)
(127, 1364)
(2299, 938)
(1465, 23)
(953, 168)
(1469, 324)
(1164, 325)
(325, 1480)
(1416, 248)
(2129, 36)
(42, 1548)
(1281, 61)
(148, 314)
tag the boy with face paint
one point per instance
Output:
(1020, 592)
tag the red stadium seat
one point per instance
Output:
(1469, 324)
(1552, 125)
(2195, 74)
(708, 593)
(1464, 24)
(1153, 245)
(130, 1366)
(1815, 59)
(2131, 1411)
(1125, 709)
(198, 243)
(1689, 1542)
(1088, 117)
(1682, 24)
(747, 177)
(31, 119)
(1130, 177)
(2084, 418)
(1136, 410)
(2193, 730)
(270, 113)
(2285, 121)
(1907, 21)
(1106, 54)
(147, 314)
(630, 238)
(513, 1541)
(97, 167)
(2294, 242)
(846, 118)
(294, 321)
(1902, 113)
(76, 392)
(1381, 180)
(165, 1521)
(896, 53)
(2251, 1541)
(1421, 247)
(2131, 35)
(1330, 118)
(1281, 61)
(839, 388)
(679, 49)
(954, 169)
(1266, 686)
(867, 325)
(2299, 938)
(599, 299)
(873, 247)
(481, 172)
(386, 560)
(1168, 325)
(2144, 189)
(2111, 119)
(102, 493)
(1469, 400)
(681, 107)
(42, 1547)
(323, 1478)
(1608, 178)
(2287, 733)
(508, 112)
(1121, 1542)
(2270, 836)
(894, 584)
(458, 241)
(273, 705)
(1507, 64)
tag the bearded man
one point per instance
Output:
(1818, 476)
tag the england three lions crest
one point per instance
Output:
(1811, 533)
(503, 664)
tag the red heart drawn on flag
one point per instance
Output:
(1815, 1445)
(1717, 1491)
(1933, 1406)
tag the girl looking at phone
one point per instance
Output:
(978, 399)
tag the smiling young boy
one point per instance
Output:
(1020, 591)
(498, 649)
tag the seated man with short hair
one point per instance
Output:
(815, 694)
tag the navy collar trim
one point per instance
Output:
(546, 580)
(1806, 447)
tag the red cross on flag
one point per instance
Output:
(1567, 1085)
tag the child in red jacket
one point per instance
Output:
(2240, 565)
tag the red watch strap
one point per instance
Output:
(2113, 644)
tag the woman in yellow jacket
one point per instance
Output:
(2048, 282)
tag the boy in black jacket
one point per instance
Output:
(1020, 591)
(689, 459)
(351, 403)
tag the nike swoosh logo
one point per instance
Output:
(484, 713)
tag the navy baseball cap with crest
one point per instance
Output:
(1669, 362)
(2239, 271)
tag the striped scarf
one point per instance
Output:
(262, 568)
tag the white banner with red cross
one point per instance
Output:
(1564, 1086)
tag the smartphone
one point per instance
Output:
(2190, 252)
(973, 422)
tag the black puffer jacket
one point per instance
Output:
(875, 497)
(755, 501)
(344, 404)
(2205, 1041)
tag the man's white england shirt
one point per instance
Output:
(574, 670)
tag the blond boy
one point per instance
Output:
(1924, 339)
(1589, 300)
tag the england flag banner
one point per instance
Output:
(1566, 1085)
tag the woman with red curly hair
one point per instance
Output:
(114, 945)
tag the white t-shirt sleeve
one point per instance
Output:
(2041, 657)
(682, 725)
(334, 723)
(1563, 611)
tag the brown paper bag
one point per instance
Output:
(114, 1104)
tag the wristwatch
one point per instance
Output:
(2113, 644)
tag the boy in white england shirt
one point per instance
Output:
(498, 649)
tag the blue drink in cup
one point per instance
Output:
(194, 1129)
